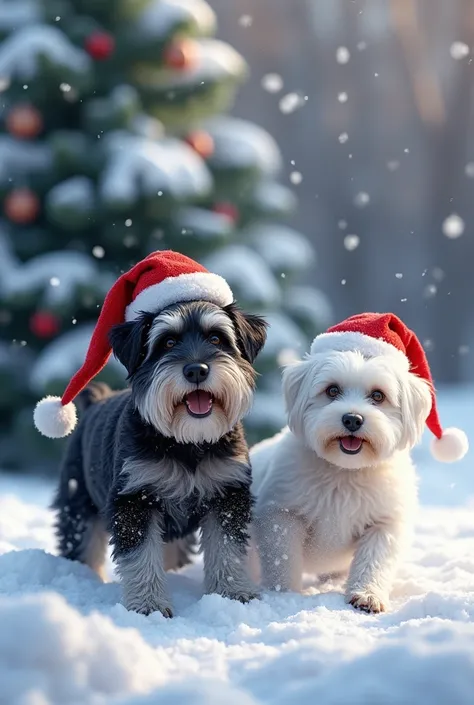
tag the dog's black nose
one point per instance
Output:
(352, 422)
(196, 372)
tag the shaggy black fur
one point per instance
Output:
(112, 432)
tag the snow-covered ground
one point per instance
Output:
(65, 639)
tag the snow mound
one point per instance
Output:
(63, 357)
(247, 274)
(243, 145)
(159, 17)
(135, 166)
(14, 13)
(285, 249)
(69, 658)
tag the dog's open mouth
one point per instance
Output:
(198, 403)
(350, 444)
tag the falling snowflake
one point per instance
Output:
(246, 20)
(430, 291)
(463, 349)
(393, 165)
(54, 281)
(128, 222)
(343, 282)
(438, 274)
(458, 50)
(291, 102)
(296, 177)
(399, 275)
(342, 55)
(98, 251)
(362, 199)
(342, 224)
(453, 226)
(342, 97)
(361, 46)
(343, 137)
(65, 87)
(272, 82)
(428, 344)
(351, 242)
(469, 170)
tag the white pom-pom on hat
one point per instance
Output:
(453, 445)
(54, 419)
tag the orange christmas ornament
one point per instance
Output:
(22, 206)
(24, 122)
(181, 54)
(201, 142)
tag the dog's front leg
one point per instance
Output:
(373, 567)
(279, 536)
(137, 538)
(225, 542)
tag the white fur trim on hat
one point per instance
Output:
(198, 286)
(453, 445)
(54, 420)
(351, 340)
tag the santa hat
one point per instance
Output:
(161, 279)
(376, 334)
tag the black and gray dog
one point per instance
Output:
(154, 463)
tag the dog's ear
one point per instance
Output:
(128, 341)
(296, 397)
(251, 332)
(415, 402)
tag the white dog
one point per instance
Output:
(337, 491)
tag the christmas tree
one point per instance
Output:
(114, 143)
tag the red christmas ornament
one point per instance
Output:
(99, 45)
(22, 206)
(44, 324)
(181, 54)
(228, 209)
(24, 121)
(201, 142)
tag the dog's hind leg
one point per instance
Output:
(81, 534)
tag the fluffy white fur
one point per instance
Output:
(54, 420)
(321, 511)
(198, 286)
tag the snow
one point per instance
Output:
(66, 640)
(453, 226)
(247, 274)
(216, 61)
(20, 53)
(284, 249)
(291, 102)
(63, 357)
(76, 192)
(14, 13)
(160, 17)
(239, 144)
(18, 158)
(351, 242)
(273, 197)
(136, 165)
(283, 334)
(71, 268)
(459, 50)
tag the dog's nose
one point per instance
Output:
(352, 422)
(196, 372)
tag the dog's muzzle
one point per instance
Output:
(351, 444)
(199, 402)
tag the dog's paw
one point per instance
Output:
(367, 602)
(243, 594)
(148, 607)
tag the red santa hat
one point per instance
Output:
(161, 279)
(376, 334)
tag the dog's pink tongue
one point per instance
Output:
(351, 443)
(199, 402)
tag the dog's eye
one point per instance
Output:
(377, 396)
(170, 343)
(214, 339)
(333, 391)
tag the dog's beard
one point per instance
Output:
(165, 405)
(394, 425)
(376, 441)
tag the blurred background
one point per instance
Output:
(319, 154)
